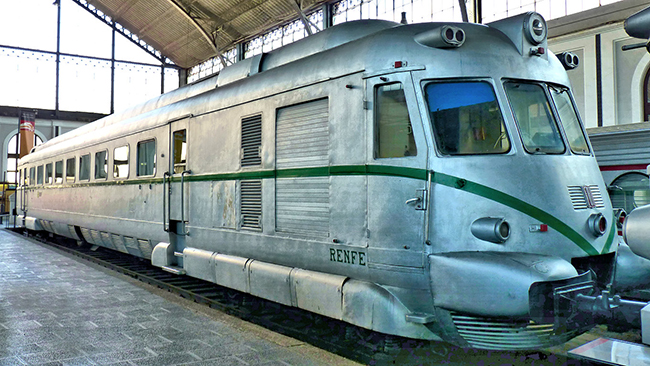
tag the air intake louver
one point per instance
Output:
(583, 197)
(250, 201)
(251, 140)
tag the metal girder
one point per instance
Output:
(304, 18)
(123, 31)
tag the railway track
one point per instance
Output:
(354, 343)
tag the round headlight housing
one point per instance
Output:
(535, 28)
(597, 224)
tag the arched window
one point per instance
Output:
(629, 191)
(646, 96)
(12, 156)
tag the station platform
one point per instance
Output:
(57, 310)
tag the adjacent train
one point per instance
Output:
(431, 181)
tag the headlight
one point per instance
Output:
(535, 28)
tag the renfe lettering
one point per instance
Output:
(347, 256)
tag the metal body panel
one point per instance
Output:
(325, 212)
(460, 279)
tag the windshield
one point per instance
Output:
(539, 132)
(569, 119)
(466, 118)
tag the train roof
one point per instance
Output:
(352, 47)
(619, 129)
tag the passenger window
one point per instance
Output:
(70, 169)
(39, 179)
(32, 175)
(393, 130)
(466, 118)
(121, 162)
(48, 173)
(146, 158)
(180, 151)
(84, 167)
(101, 165)
(58, 172)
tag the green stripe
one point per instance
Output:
(383, 170)
(517, 204)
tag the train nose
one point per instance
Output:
(636, 231)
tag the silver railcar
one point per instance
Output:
(430, 181)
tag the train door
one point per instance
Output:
(176, 186)
(398, 181)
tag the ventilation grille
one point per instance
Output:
(251, 140)
(486, 333)
(251, 204)
(583, 197)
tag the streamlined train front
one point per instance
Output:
(519, 228)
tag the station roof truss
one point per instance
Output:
(188, 32)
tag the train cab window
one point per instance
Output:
(466, 118)
(58, 172)
(146, 158)
(393, 130)
(48, 173)
(121, 162)
(70, 169)
(101, 165)
(569, 120)
(532, 111)
(32, 175)
(180, 151)
(84, 167)
(39, 175)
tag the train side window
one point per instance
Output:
(146, 158)
(48, 173)
(32, 175)
(58, 171)
(39, 179)
(70, 169)
(121, 162)
(466, 118)
(84, 167)
(393, 131)
(180, 151)
(101, 165)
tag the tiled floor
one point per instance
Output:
(57, 310)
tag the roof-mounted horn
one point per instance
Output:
(446, 36)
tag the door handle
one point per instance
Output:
(413, 200)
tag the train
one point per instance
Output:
(432, 181)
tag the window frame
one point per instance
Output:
(553, 114)
(376, 129)
(56, 165)
(497, 98)
(48, 178)
(94, 165)
(128, 162)
(137, 158)
(90, 167)
(66, 169)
